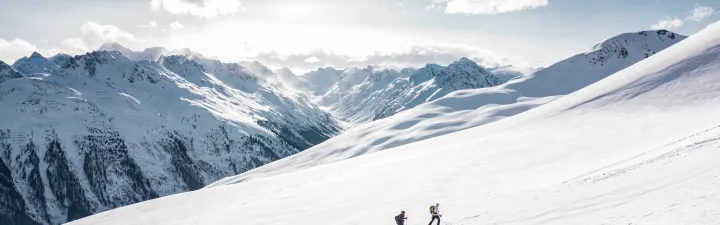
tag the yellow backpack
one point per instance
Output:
(432, 209)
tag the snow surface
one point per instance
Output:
(638, 147)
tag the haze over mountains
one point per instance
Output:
(638, 146)
(110, 128)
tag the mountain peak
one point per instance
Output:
(465, 64)
(35, 64)
(465, 60)
(650, 38)
(114, 46)
(36, 55)
(7, 72)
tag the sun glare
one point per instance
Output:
(296, 10)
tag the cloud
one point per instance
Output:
(151, 24)
(700, 13)
(15, 49)
(312, 59)
(412, 56)
(199, 8)
(431, 7)
(489, 6)
(667, 23)
(403, 9)
(95, 34)
(176, 25)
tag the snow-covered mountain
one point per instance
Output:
(99, 131)
(150, 54)
(470, 108)
(362, 95)
(637, 147)
(36, 64)
(320, 81)
(7, 72)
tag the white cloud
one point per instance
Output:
(403, 9)
(151, 24)
(92, 35)
(491, 6)
(15, 49)
(95, 34)
(76, 44)
(176, 25)
(700, 13)
(323, 45)
(199, 8)
(431, 7)
(312, 59)
(412, 56)
(667, 23)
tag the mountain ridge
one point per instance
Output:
(620, 150)
(462, 110)
(101, 131)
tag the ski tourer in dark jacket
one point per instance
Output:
(400, 219)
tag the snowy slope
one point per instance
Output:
(470, 108)
(102, 131)
(362, 95)
(638, 147)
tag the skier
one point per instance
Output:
(400, 219)
(435, 212)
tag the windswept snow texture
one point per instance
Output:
(100, 131)
(363, 95)
(470, 108)
(638, 147)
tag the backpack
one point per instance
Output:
(432, 209)
(398, 219)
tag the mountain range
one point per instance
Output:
(636, 146)
(110, 128)
(465, 109)
(93, 132)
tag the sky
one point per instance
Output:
(307, 34)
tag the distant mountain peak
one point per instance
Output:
(114, 46)
(7, 72)
(36, 55)
(465, 60)
(35, 64)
